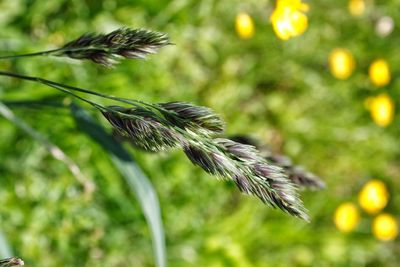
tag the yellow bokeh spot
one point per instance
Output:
(373, 197)
(385, 227)
(381, 108)
(379, 73)
(356, 7)
(288, 19)
(244, 25)
(346, 217)
(341, 63)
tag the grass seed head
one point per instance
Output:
(143, 129)
(107, 49)
(297, 174)
(196, 118)
(251, 173)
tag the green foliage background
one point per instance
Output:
(280, 92)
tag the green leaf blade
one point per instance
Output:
(136, 179)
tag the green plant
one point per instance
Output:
(197, 130)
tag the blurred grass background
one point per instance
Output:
(280, 92)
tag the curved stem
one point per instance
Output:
(82, 90)
(54, 85)
(64, 88)
(100, 107)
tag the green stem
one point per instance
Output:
(54, 85)
(42, 53)
(82, 90)
(55, 52)
(100, 107)
(64, 88)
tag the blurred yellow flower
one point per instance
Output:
(379, 73)
(373, 197)
(346, 217)
(381, 108)
(385, 227)
(244, 25)
(356, 7)
(288, 19)
(341, 63)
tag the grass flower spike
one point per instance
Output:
(252, 174)
(142, 128)
(107, 49)
(157, 127)
(297, 174)
(163, 126)
(197, 118)
(288, 18)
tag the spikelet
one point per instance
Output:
(297, 174)
(107, 49)
(143, 128)
(196, 118)
(250, 172)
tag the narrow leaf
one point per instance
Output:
(136, 179)
(54, 150)
(5, 250)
